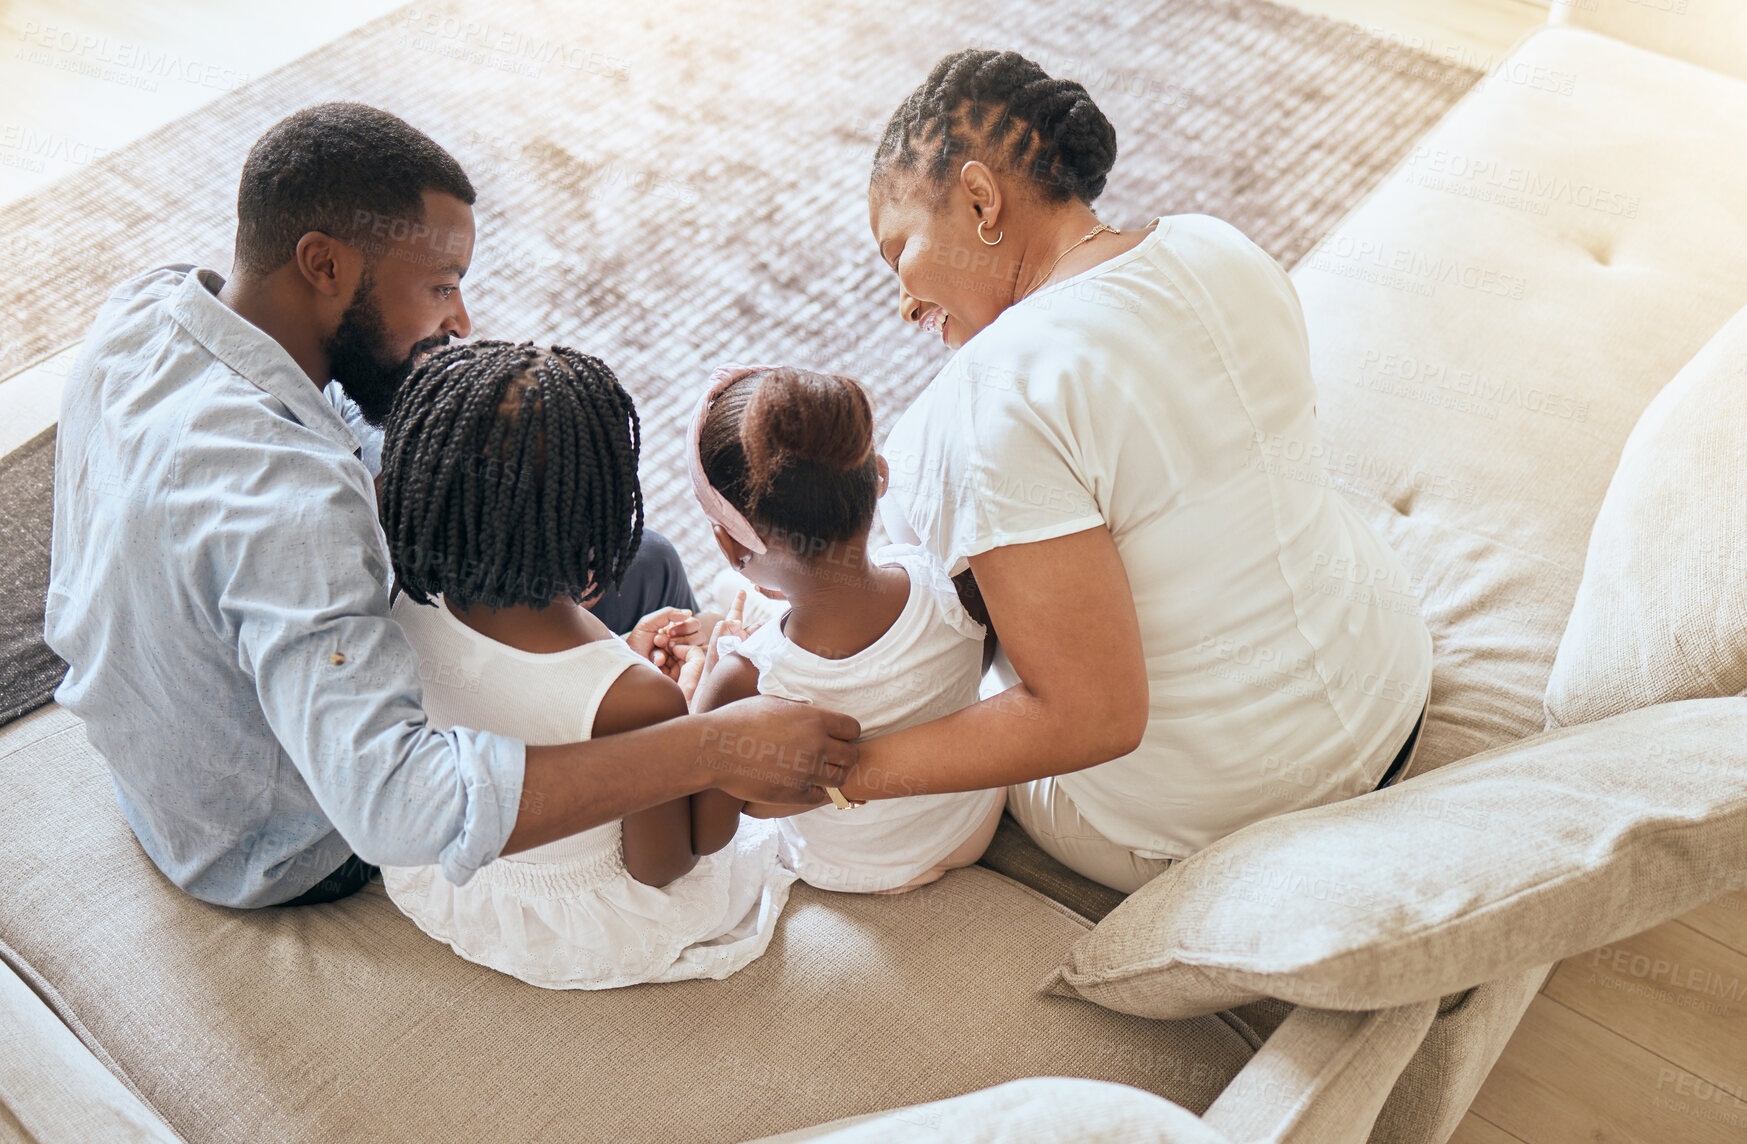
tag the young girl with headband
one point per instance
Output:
(783, 463)
(509, 496)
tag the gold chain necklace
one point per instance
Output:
(1084, 239)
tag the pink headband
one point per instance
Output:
(715, 505)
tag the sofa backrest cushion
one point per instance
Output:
(1515, 858)
(1661, 612)
(1486, 330)
(1710, 33)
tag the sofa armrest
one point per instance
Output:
(1710, 33)
(1321, 1077)
(1038, 1110)
(52, 1090)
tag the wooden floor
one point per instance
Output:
(1644, 1042)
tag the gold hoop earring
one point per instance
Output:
(998, 234)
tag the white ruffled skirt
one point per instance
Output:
(568, 915)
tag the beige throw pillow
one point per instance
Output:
(1661, 613)
(1516, 857)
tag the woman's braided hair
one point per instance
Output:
(510, 476)
(793, 450)
(1005, 110)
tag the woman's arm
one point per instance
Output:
(657, 841)
(1066, 617)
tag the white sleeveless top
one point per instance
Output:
(567, 915)
(1165, 394)
(926, 665)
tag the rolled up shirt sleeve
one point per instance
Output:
(304, 596)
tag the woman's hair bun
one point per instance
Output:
(1086, 143)
(1007, 108)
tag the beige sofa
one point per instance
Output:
(1486, 329)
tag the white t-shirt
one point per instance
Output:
(1166, 394)
(925, 666)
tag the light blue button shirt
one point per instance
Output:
(219, 590)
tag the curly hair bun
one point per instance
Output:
(1005, 109)
(794, 451)
(797, 415)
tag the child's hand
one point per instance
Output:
(734, 623)
(700, 661)
(675, 641)
(655, 633)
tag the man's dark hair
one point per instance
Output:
(336, 168)
(1005, 110)
(509, 476)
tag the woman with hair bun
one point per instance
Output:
(1120, 464)
(783, 463)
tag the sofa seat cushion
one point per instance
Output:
(1486, 329)
(1014, 853)
(343, 1022)
(1516, 858)
(1661, 612)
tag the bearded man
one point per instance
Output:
(220, 587)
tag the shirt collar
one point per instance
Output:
(255, 356)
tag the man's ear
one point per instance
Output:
(326, 264)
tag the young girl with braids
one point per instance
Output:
(783, 462)
(509, 496)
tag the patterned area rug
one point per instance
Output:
(671, 186)
(29, 671)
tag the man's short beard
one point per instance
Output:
(358, 360)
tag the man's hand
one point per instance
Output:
(776, 751)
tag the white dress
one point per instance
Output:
(567, 915)
(1166, 394)
(926, 665)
